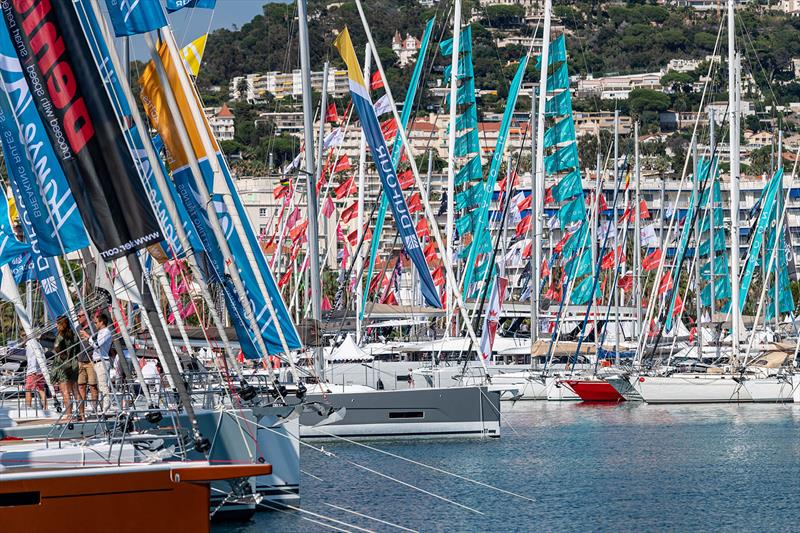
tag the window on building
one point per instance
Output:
(262, 211)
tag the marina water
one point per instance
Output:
(626, 467)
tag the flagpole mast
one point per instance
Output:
(614, 291)
(362, 167)
(637, 237)
(697, 219)
(538, 198)
(323, 106)
(713, 176)
(778, 230)
(451, 147)
(598, 190)
(311, 186)
(733, 104)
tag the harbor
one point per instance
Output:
(456, 274)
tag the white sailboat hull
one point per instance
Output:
(558, 392)
(691, 388)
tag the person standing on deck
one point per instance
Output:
(34, 377)
(65, 364)
(101, 344)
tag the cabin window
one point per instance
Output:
(12, 499)
(406, 414)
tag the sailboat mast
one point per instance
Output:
(614, 290)
(697, 220)
(535, 227)
(779, 237)
(637, 235)
(538, 170)
(311, 186)
(713, 176)
(451, 147)
(362, 168)
(733, 105)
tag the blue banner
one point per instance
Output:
(22, 268)
(55, 216)
(131, 17)
(386, 169)
(175, 5)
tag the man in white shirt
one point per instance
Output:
(101, 344)
(34, 377)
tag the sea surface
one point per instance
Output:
(564, 467)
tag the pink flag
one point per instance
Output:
(327, 208)
(293, 218)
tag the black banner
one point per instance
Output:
(69, 94)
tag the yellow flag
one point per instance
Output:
(13, 214)
(193, 54)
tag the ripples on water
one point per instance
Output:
(628, 467)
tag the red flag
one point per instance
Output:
(560, 244)
(323, 179)
(608, 259)
(326, 304)
(438, 276)
(285, 278)
(430, 251)
(390, 299)
(525, 204)
(352, 237)
(389, 128)
(339, 233)
(345, 257)
(280, 191)
(644, 214)
(297, 232)
(626, 282)
(651, 261)
(548, 196)
(627, 216)
(422, 228)
(524, 225)
(545, 270)
(346, 188)
(350, 213)
(342, 164)
(526, 252)
(678, 308)
(666, 283)
(414, 203)
(331, 115)
(327, 208)
(692, 334)
(405, 179)
(375, 81)
(601, 203)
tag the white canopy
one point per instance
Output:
(348, 351)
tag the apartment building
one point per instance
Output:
(618, 87)
(257, 87)
(221, 121)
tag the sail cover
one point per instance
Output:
(70, 96)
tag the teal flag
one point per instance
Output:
(561, 132)
(464, 45)
(764, 220)
(481, 234)
(565, 158)
(557, 52)
(719, 244)
(558, 79)
(469, 172)
(404, 118)
(468, 119)
(574, 211)
(464, 69)
(464, 224)
(465, 94)
(582, 291)
(467, 144)
(469, 197)
(581, 265)
(720, 268)
(576, 241)
(569, 186)
(559, 105)
(721, 289)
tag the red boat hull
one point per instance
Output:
(594, 390)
